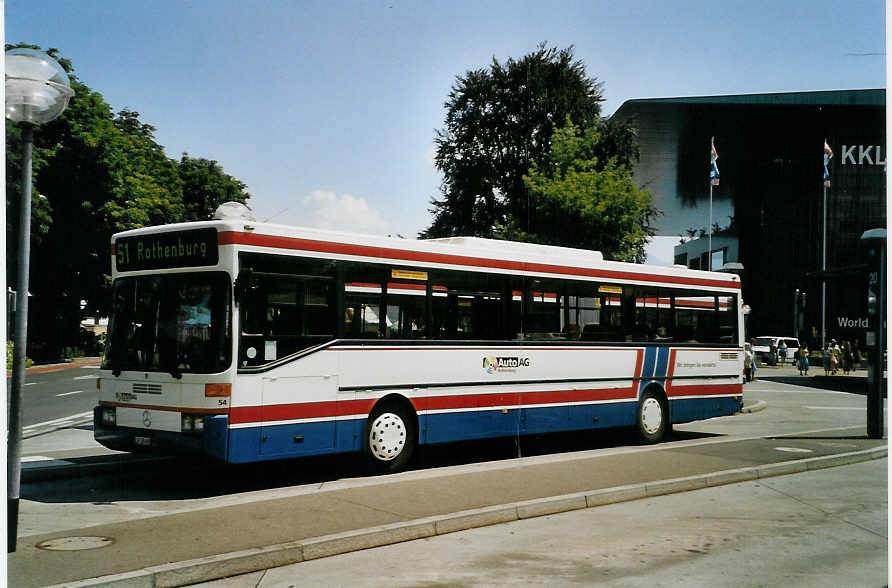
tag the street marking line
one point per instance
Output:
(810, 391)
(84, 378)
(70, 393)
(794, 449)
(31, 383)
(58, 421)
(861, 408)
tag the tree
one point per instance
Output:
(499, 121)
(582, 201)
(206, 186)
(95, 173)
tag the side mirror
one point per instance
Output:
(244, 284)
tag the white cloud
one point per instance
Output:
(327, 210)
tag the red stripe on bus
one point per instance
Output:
(284, 412)
(304, 410)
(516, 399)
(670, 372)
(706, 390)
(278, 242)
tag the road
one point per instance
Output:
(52, 399)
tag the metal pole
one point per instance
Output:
(709, 253)
(14, 457)
(824, 278)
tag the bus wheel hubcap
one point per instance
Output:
(651, 415)
(387, 437)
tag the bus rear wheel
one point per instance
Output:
(390, 438)
(653, 417)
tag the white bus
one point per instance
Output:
(247, 341)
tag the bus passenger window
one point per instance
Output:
(317, 310)
(406, 311)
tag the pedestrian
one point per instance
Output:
(845, 358)
(834, 358)
(825, 355)
(803, 360)
(748, 361)
(782, 352)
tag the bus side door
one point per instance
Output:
(299, 415)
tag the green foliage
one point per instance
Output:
(578, 201)
(206, 186)
(96, 172)
(10, 347)
(499, 123)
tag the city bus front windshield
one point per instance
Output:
(175, 323)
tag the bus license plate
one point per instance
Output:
(143, 441)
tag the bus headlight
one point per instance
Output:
(193, 423)
(108, 416)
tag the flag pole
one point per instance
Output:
(824, 277)
(712, 180)
(709, 255)
(828, 154)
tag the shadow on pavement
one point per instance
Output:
(849, 384)
(180, 479)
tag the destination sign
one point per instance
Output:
(195, 247)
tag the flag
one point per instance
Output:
(713, 163)
(828, 153)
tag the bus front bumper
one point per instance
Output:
(213, 441)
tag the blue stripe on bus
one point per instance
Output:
(278, 441)
(655, 368)
(662, 361)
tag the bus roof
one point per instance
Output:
(465, 252)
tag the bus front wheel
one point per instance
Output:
(390, 438)
(653, 417)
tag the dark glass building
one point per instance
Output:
(771, 193)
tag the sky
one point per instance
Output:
(328, 110)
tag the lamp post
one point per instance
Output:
(37, 91)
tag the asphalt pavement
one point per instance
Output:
(266, 529)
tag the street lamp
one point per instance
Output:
(37, 91)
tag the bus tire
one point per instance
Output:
(390, 437)
(652, 420)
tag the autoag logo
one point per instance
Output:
(494, 364)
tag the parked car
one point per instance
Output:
(766, 349)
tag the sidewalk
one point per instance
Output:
(269, 529)
(814, 529)
(77, 362)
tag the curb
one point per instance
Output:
(754, 407)
(58, 367)
(261, 558)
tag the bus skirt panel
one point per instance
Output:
(279, 441)
(446, 427)
(686, 410)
